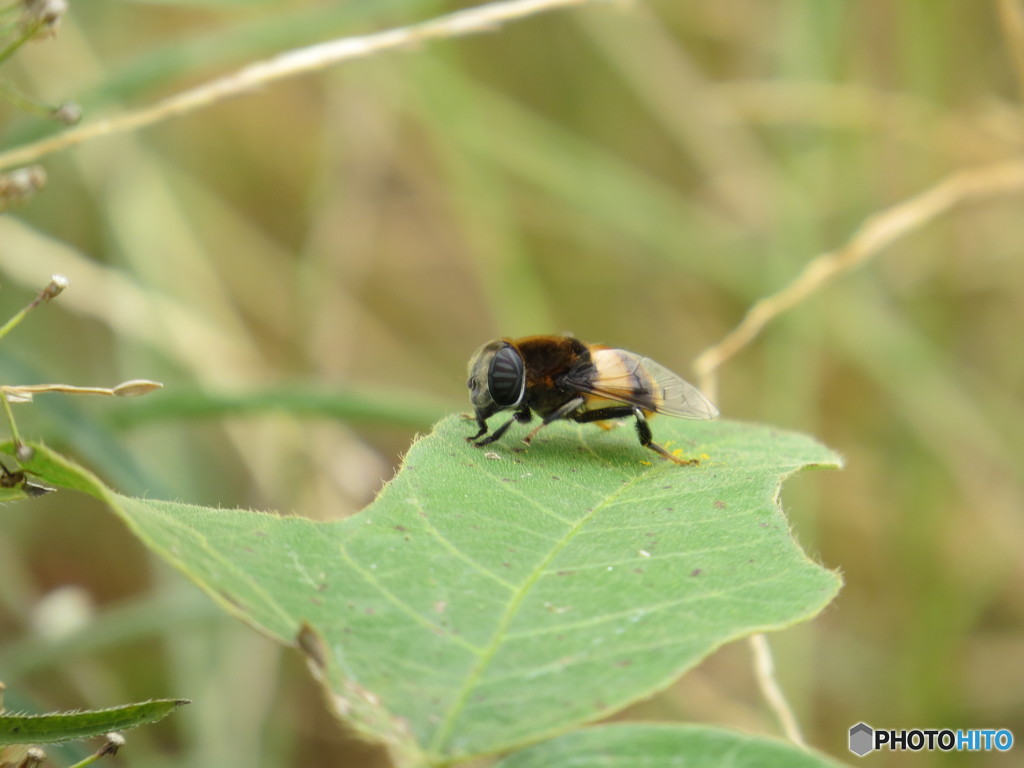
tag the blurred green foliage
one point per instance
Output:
(638, 174)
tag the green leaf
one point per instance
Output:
(65, 726)
(12, 494)
(489, 599)
(642, 745)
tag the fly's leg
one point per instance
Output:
(604, 414)
(522, 416)
(643, 429)
(563, 411)
(480, 422)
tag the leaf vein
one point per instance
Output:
(407, 609)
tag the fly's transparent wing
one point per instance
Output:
(629, 378)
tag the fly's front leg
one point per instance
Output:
(522, 416)
(561, 412)
(482, 423)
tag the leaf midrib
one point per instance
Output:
(444, 730)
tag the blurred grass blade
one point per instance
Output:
(398, 409)
(65, 726)
(577, 174)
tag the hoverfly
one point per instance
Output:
(560, 377)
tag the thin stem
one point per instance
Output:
(26, 103)
(88, 761)
(29, 32)
(764, 669)
(874, 234)
(53, 289)
(15, 436)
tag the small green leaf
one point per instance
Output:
(642, 745)
(59, 471)
(12, 494)
(65, 726)
(490, 599)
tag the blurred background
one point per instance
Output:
(307, 268)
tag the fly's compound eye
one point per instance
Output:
(506, 378)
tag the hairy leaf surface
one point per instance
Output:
(65, 726)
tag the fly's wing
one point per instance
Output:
(635, 380)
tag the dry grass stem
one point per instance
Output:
(482, 18)
(23, 393)
(1011, 16)
(877, 232)
(764, 668)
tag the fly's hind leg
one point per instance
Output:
(643, 429)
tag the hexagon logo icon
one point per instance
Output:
(862, 739)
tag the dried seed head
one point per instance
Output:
(45, 15)
(33, 756)
(20, 756)
(68, 113)
(19, 185)
(114, 741)
(55, 287)
(136, 387)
